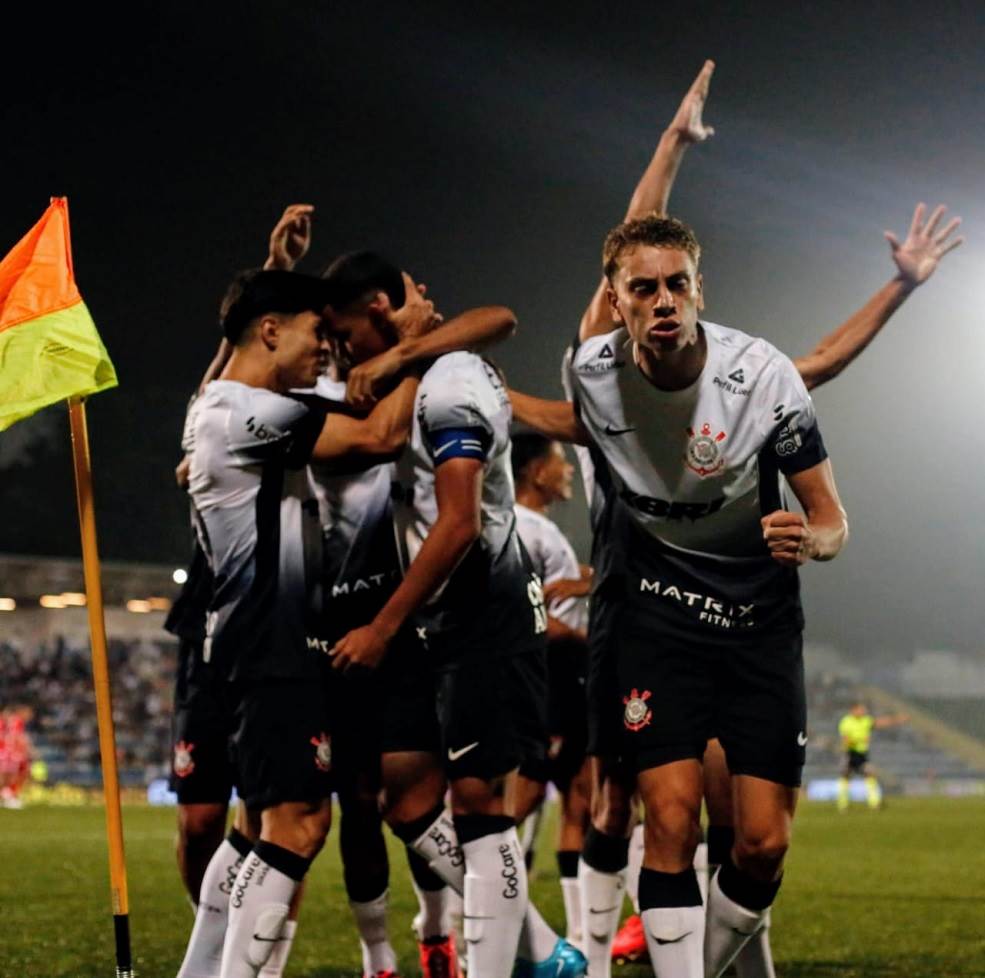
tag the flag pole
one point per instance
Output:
(100, 679)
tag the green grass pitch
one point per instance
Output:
(894, 894)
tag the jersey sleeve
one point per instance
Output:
(453, 423)
(793, 438)
(266, 426)
(843, 726)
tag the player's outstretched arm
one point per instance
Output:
(553, 419)
(458, 489)
(653, 191)
(817, 534)
(290, 238)
(472, 330)
(916, 258)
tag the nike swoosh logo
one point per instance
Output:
(454, 755)
(606, 910)
(802, 739)
(444, 448)
(609, 430)
(267, 940)
(676, 940)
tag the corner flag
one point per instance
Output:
(49, 347)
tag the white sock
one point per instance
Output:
(204, 953)
(727, 929)
(529, 828)
(701, 870)
(495, 901)
(258, 909)
(601, 907)
(438, 844)
(674, 937)
(633, 867)
(537, 939)
(433, 918)
(571, 893)
(378, 955)
(755, 960)
(274, 968)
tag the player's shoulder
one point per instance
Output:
(600, 354)
(451, 367)
(462, 379)
(739, 349)
(533, 519)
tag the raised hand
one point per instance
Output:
(920, 253)
(291, 237)
(687, 123)
(416, 316)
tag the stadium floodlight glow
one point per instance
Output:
(51, 601)
(180, 576)
(73, 599)
(138, 606)
(159, 604)
(7, 604)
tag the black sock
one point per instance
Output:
(721, 838)
(743, 889)
(283, 860)
(239, 842)
(424, 876)
(411, 831)
(668, 889)
(605, 853)
(468, 828)
(567, 863)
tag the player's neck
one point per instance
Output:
(253, 371)
(674, 370)
(531, 497)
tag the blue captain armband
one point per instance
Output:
(458, 443)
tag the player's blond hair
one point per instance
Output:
(652, 230)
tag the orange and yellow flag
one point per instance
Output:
(49, 347)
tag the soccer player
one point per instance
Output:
(916, 259)
(543, 475)
(855, 729)
(258, 522)
(470, 590)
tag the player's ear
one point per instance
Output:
(268, 330)
(379, 308)
(613, 300)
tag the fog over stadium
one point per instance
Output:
(489, 150)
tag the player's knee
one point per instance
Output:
(672, 823)
(761, 851)
(198, 824)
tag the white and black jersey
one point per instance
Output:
(462, 410)
(257, 518)
(686, 476)
(553, 559)
(361, 565)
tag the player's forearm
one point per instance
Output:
(558, 631)
(391, 419)
(829, 530)
(473, 330)
(446, 544)
(553, 419)
(653, 191)
(840, 347)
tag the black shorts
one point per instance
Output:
(567, 664)
(492, 714)
(856, 760)
(281, 743)
(201, 771)
(673, 698)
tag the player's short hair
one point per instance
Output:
(359, 275)
(257, 292)
(658, 232)
(528, 447)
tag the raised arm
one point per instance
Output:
(472, 330)
(653, 190)
(553, 419)
(916, 258)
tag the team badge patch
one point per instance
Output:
(184, 764)
(704, 454)
(637, 714)
(323, 751)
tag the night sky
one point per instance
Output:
(488, 148)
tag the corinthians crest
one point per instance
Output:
(704, 454)
(323, 751)
(183, 762)
(637, 714)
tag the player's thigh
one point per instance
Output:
(761, 716)
(717, 784)
(414, 784)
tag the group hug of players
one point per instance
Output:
(366, 610)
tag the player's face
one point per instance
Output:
(656, 294)
(302, 349)
(555, 474)
(358, 334)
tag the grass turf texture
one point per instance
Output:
(896, 893)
